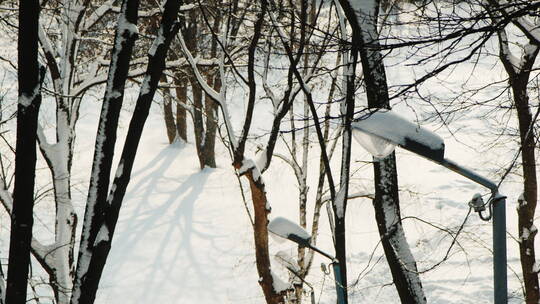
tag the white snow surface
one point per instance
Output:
(279, 284)
(184, 236)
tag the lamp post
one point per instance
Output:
(381, 130)
(287, 229)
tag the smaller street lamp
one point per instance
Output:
(287, 229)
(380, 131)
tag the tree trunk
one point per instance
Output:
(2, 286)
(527, 207)
(65, 229)
(25, 159)
(181, 103)
(260, 234)
(210, 110)
(198, 122)
(387, 213)
(386, 202)
(87, 274)
(170, 124)
(519, 78)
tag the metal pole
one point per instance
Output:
(499, 251)
(467, 173)
(500, 282)
(340, 290)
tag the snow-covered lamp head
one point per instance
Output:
(380, 131)
(285, 228)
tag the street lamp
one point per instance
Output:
(287, 229)
(381, 130)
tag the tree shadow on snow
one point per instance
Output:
(157, 235)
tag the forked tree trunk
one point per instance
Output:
(205, 121)
(88, 272)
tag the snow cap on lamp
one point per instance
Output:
(381, 130)
(287, 229)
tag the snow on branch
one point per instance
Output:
(207, 89)
(279, 284)
(248, 165)
(218, 97)
(156, 11)
(46, 42)
(97, 14)
(507, 55)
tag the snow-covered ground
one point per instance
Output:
(184, 235)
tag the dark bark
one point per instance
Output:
(198, 122)
(388, 216)
(210, 107)
(181, 103)
(518, 80)
(204, 109)
(210, 110)
(2, 285)
(156, 64)
(86, 280)
(25, 157)
(527, 208)
(170, 124)
(260, 210)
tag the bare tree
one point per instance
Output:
(201, 26)
(253, 170)
(307, 60)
